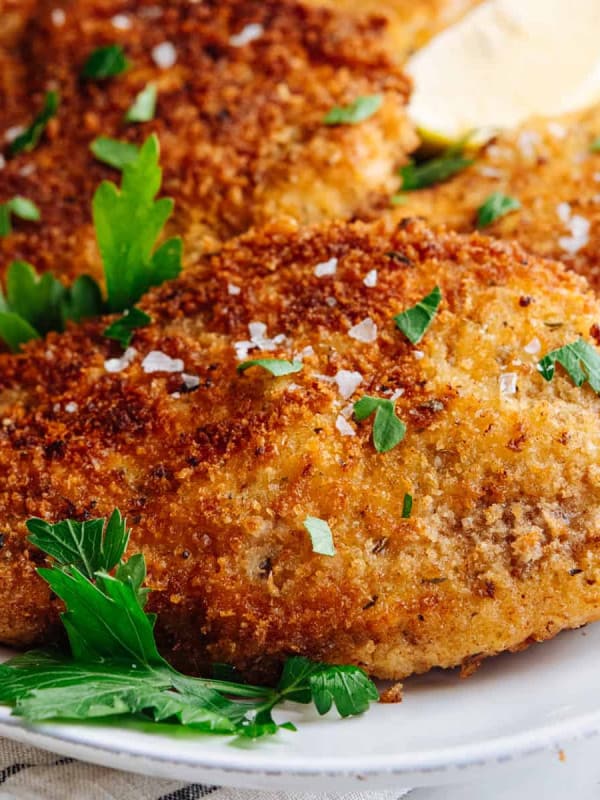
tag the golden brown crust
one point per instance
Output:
(240, 126)
(548, 166)
(406, 25)
(502, 546)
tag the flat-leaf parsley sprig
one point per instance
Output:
(115, 669)
(128, 222)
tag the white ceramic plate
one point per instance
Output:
(519, 707)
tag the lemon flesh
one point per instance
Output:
(505, 61)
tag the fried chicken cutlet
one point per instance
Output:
(502, 546)
(243, 87)
(409, 24)
(550, 166)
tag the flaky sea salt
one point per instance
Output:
(557, 130)
(121, 22)
(370, 279)
(347, 382)
(248, 34)
(190, 381)
(344, 426)
(10, 134)
(508, 383)
(527, 143)
(258, 339)
(232, 289)
(564, 212)
(71, 407)
(164, 55)
(119, 364)
(579, 228)
(326, 268)
(365, 331)
(157, 361)
(58, 17)
(534, 346)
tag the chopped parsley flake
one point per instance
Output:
(30, 137)
(436, 170)
(362, 108)
(114, 667)
(105, 62)
(320, 536)
(276, 366)
(19, 207)
(595, 145)
(131, 265)
(143, 107)
(579, 359)
(388, 430)
(407, 505)
(113, 152)
(496, 206)
(122, 329)
(415, 320)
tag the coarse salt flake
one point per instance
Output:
(564, 212)
(71, 407)
(119, 364)
(157, 361)
(418, 354)
(579, 228)
(190, 381)
(347, 382)
(534, 346)
(164, 55)
(508, 383)
(11, 133)
(331, 302)
(232, 289)
(557, 130)
(370, 278)
(58, 17)
(258, 338)
(364, 331)
(527, 142)
(344, 426)
(121, 22)
(248, 34)
(326, 268)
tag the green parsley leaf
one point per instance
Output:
(407, 505)
(128, 223)
(399, 199)
(143, 107)
(388, 430)
(36, 304)
(27, 140)
(20, 207)
(320, 536)
(595, 145)
(90, 546)
(115, 668)
(347, 687)
(415, 320)
(113, 152)
(580, 360)
(496, 206)
(82, 300)
(276, 366)
(15, 331)
(122, 329)
(436, 170)
(105, 62)
(360, 109)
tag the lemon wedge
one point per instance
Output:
(505, 61)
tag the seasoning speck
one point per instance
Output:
(364, 331)
(164, 55)
(326, 268)
(156, 361)
(248, 34)
(370, 279)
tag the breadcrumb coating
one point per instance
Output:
(409, 24)
(239, 118)
(549, 166)
(502, 547)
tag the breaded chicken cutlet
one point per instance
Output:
(216, 473)
(409, 24)
(551, 168)
(243, 87)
